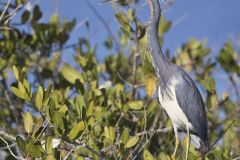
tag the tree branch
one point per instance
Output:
(106, 25)
(9, 149)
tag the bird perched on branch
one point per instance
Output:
(177, 92)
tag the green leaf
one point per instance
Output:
(164, 156)
(135, 105)
(109, 133)
(39, 99)
(125, 135)
(37, 126)
(108, 43)
(150, 85)
(46, 95)
(37, 14)
(49, 157)
(15, 72)
(80, 104)
(132, 141)
(17, 92)
(22, 74)
(23, 91)
(209, 84)
(34, 149)
(71, 74)
(122, 19)
(63, 109)
(28, 122)
(106, 132)
(131, 14)
(25, 16)
(21, 143)
(27, 86)
(48, 145)
(54, 19)
(21, 88)
(76, 130)
(147, 155)
(228, 59)
(58, 120)
(20, 2)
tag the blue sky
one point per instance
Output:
(216, 21)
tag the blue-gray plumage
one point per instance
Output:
(178, 94)
(190, 101)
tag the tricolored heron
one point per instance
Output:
(177, 92)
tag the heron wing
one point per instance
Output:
(190, 101)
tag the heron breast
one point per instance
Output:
(168, 101)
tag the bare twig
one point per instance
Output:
(145, 120)
(12, 14)
(4, 10)
(142, 147)
(152, 132)
(7, 136)
(238, 158)
(128, 83)
(42, 130)
(106, 25)
(189, 63)
(220, 103)
(135, 55)
(6, 18)
(9, 149)
(235, 87)
(6, 28)
(10, 146)
(221, 135)
(68, 154)
(85, 146)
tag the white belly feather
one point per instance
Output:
(172, 108)
(175, 113)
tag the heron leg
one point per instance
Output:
(188, 142)
(176, 141)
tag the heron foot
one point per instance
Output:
(173, 156)
(188, 144)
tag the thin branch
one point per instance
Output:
(235, 87)
(10, 146)
(7, 136)
(188, 63)
(85, 146)
(9, 149)
(65, 47)
(106, 25)
(135, 56)
(68, 154)
(238, 158)
(10, 5)
(5, 9)
(12, 14)
(145, 119)
(42, 131)
(152, 132)
(128, 83)
(142, 147)
(221, 135)
(6, 28)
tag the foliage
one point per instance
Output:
(96, 110)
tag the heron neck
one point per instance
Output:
(160, 63)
